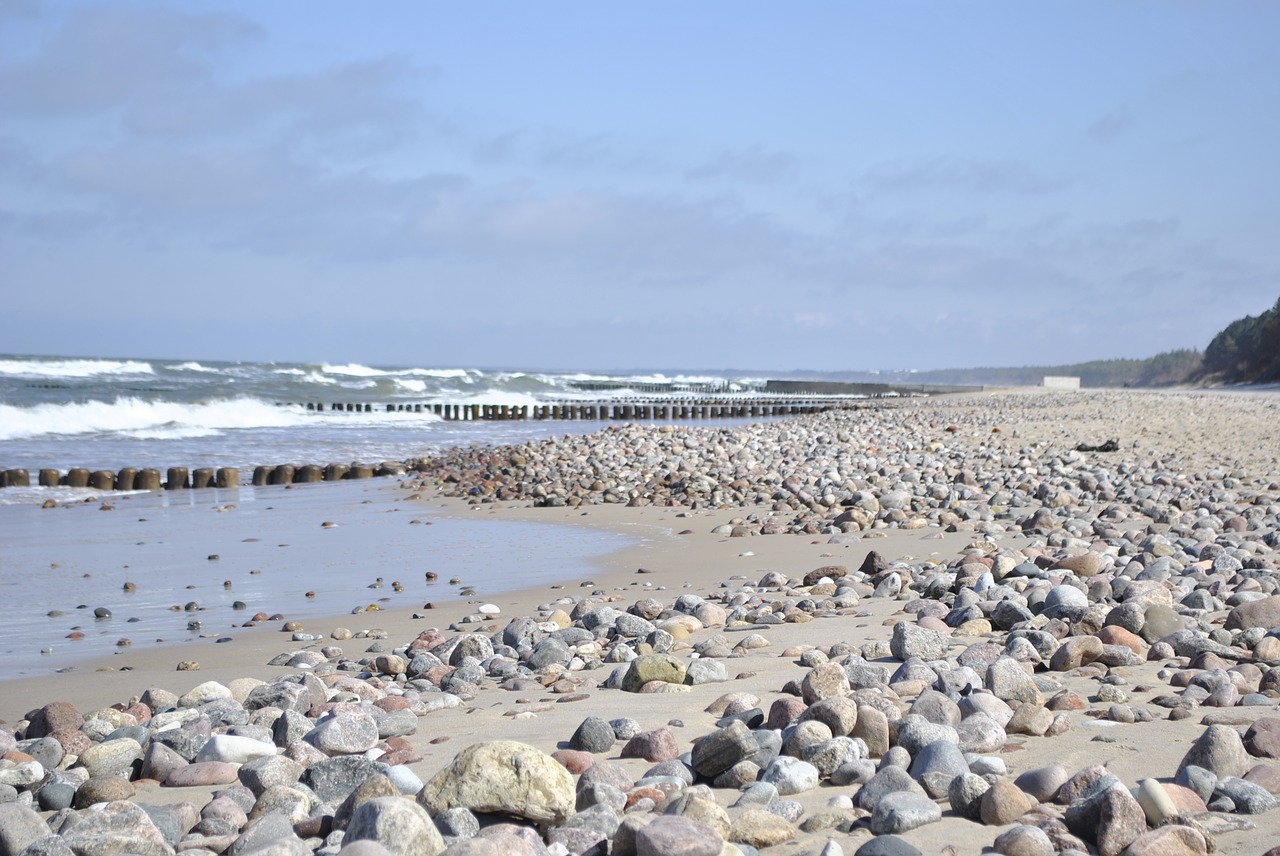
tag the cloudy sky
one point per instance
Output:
(834, 185)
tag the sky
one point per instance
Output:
(585, 185)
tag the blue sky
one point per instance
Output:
(603, 185)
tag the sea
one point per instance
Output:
(59, 564)
(64, 412)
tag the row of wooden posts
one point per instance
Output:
(181, 478)
(607, 411)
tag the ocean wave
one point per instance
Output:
(125, 415)
(411, 384)
(73, 368)
(192, 366)
(352, 370)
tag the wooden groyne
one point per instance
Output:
(614, 410)
(182, 478)
(836, 397)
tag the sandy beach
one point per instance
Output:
(975, 471)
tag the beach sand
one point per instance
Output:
(673, 551)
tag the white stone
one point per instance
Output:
(234, 749)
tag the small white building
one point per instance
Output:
(1060, 382)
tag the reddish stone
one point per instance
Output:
(390, 703)
(55, 716)
(653, 746)
(645, 793)
(574, 761)
(1113, 635)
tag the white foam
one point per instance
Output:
(411, 384)
(73, 368)
(352, 370)
(192, 367)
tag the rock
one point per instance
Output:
(1172, 840)
(19, 826)
(201, 774)
(1010, 683)
(506, 777)
(1003, 803)
(723, 748)
(790, 775)
(1219, 750)
(654, 746)
(1262, 739)
(262, 773)
(1264, 613)
(344, 734)
(652, 667)
(761, 828)
(1106, 814)
(965, 794)
(102, 789)
(1248, 797)
(1024, 841)
(669, 835)
(114, 828)
(912, 640)
(825, 681)
(902, 811)
(111, 757)
(333, 779)
(400, 825)
(885, 845)
(888, 780)
(233, 749)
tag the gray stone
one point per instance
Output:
(722, 749)
(19, 827)
(888, 780)
(1219, 750)
(400, 825)
(670, 835)
(912, 640)
(902, 811)
(115, 828)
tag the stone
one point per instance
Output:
(202, 774)
(111, 757)
(652, 667)
(723, 748)
(262, 773)
(1010, 683)
(790, 775)
(400, 825)
(912, 640)
(1219, 750)
(115, 828)
(1264, 613)
(502, 776)
(102, 789)
(1024, 841)
(824, 681)
(1172, 840)
(903, 811)
(1042, 783)
(653, 746)
(761, 828)
(1248, 797)
(1107, 814)
(333, 779)
(886, 845)
(1003, 803)
(888, 780)
(1262, 739)
(1075, 652)
(669, 835)
(344, 734)
(19, 827)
